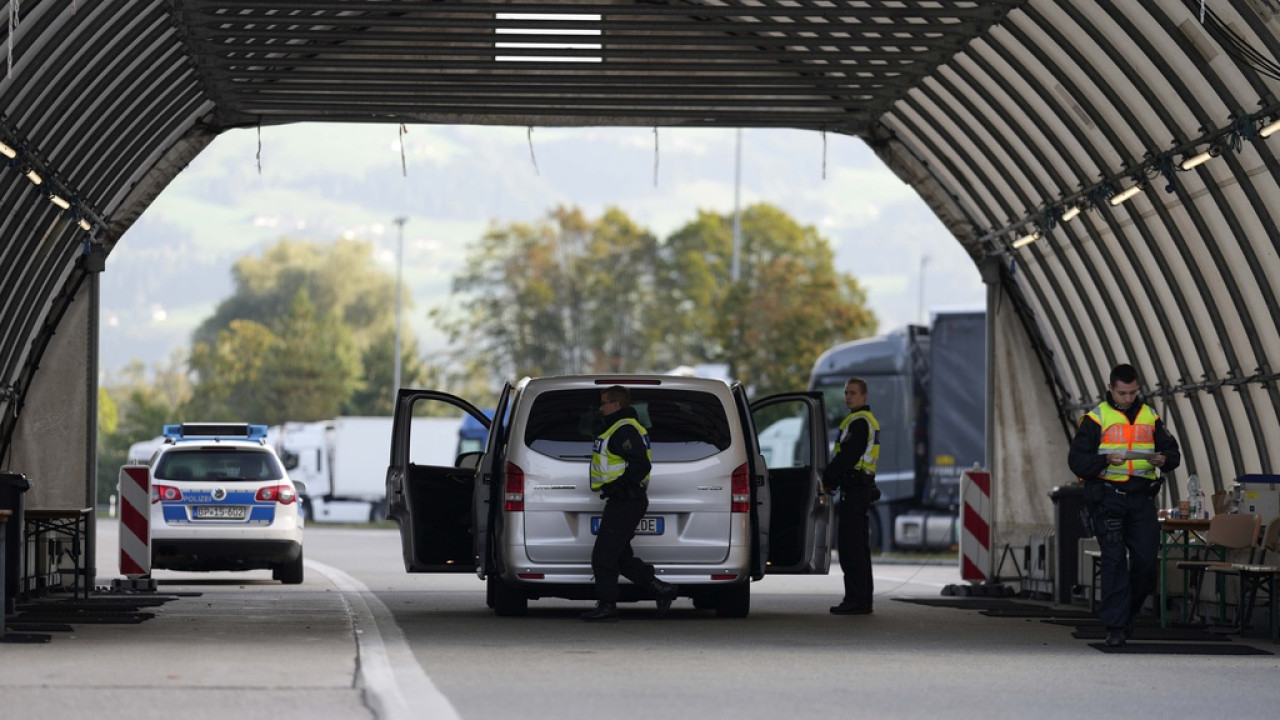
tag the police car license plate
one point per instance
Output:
(651, 525)
(220, 512)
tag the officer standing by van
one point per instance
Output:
(853, 472)
(1119, 448)
(620, 466)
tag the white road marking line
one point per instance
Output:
(395, 685)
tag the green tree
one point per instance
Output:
(788, 305)
(569, 294)
(229, 373)
(376, 393)
(308, 334)
(563, 295)
(341, 279)
(314, 368)
(303, 370)
(133, 407)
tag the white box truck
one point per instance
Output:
(344, 462)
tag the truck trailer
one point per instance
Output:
(927, 388)
(344, 461)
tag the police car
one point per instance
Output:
(222, 500)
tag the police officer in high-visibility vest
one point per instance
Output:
(620, 466)
(1119, 449)
(852, 471)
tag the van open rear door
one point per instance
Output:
(791, 429)
(433, 504)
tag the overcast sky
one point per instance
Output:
(321, 182)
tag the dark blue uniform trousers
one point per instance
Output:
(854, 548)
(612, 553)
(1129, 540)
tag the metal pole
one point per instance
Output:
(400, 221)
(737, 215)
(924, 260)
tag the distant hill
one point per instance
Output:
(321, 182)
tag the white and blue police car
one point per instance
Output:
(222, 500)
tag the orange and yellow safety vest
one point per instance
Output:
(1118, 434)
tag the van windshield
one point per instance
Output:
(683, 425)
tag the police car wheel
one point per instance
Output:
(290, 574)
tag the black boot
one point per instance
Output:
(664, 594)
(604, 612)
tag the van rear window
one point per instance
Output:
(683, 425)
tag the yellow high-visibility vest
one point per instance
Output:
(606, 466)
(870, 454)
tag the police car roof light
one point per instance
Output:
(188, 431)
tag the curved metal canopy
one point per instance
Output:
(1023, 125)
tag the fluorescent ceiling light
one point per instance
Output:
(7, 151)
(574, 24)
(1267, 131)
(1026, 240)
(1071, 213)
(60, 202)
(84, 225)
(1125, 194)
(1196, 160)
(34, 176)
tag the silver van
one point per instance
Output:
(521, 514)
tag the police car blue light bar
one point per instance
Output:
(213, 431)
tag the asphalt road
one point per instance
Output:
(361, 638)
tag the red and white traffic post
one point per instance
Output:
(135, 529)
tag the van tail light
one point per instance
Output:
(740, 487)
(513, 490)
(283, 494)
(165, 493)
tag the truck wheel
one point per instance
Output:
(289, 574)
(876, 535)
(734, 602)
(507, 601)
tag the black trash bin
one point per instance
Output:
(1069, 529)
(13, 487)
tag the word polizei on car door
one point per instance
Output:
(521, 515)
(221, 500)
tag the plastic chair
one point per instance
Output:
(1254, 576)
(1226, 533)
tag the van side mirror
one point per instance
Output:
(469, 461)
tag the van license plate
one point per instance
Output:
(648, 525)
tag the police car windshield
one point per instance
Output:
(682, 425)
(218, 463)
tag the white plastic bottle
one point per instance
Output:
(1196, 496)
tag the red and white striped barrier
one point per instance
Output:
(135, 521)
(975, 522)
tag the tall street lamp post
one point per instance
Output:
(395, 388)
